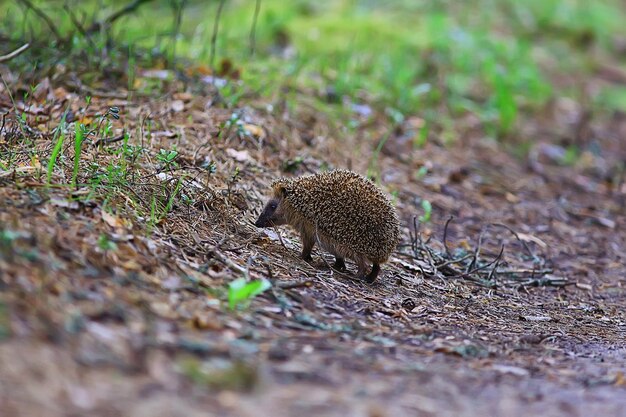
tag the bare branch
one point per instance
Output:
(129, 8)
(78, 25)
(214, 36)
(445, 236)
(530, 252)
(43, 17)
(257, 9)
(15, 53)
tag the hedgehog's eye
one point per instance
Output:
(273, 206)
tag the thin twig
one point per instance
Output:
(445, 236)
(129, 8)
(477, 251)
(15, 53)
(454, 261)
(227, 261)
(480, 268)
(107, 141)
(292, 285)
(530, 252)
(492, 275)
(214, 37)
(4, 117)
(257, 9)
(179, 6)
(78, 25)
(43, 17)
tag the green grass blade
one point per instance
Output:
(78, 141)
(56, 151)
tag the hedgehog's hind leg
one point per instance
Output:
(371, 277)
(362, 264)
(340, 264)
(308, 241)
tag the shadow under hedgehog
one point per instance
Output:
(347, 214)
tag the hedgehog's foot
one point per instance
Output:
(371, 277)
(340, 264)
(307, 246)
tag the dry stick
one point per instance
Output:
(445, 236)
(4, 117)
(423, 248)
(214, 37)
(44, 17)
(292, 285)
(257, 8)
(178, 18)
(227, 261)
(15, 53)
(110, 140)
(23, 126)
(78, 25)
(414, 238)
(13, 171)
(477, 251)
(492, 274)
(129, 8)
(454, 261)
(530, 252)
(480, 268)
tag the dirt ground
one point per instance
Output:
(143, 329)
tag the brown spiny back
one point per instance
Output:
(349, 208)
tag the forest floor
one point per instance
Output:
(113, 291)
(102, 316)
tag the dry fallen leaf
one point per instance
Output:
(531, 238)
(254, 130)
(239, 156)
(111, 219)
(177, 106)
(535, 318)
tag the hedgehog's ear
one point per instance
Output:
(283, 191)
(281, 188)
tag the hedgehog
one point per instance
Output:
(347, 214)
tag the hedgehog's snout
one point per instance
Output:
(260, 222)
(263, 220)
(269, 215)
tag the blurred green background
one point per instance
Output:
(497, 60)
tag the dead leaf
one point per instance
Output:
(535, 318)
(254, 130)
(511, 198)
(584, 286)
(73, 205)
(507, 369)
(111, 220)
(177, 106)
(159, 74)
(184, 96)
(531, 238)
(163, 310)
(239, 156)
(205, 322)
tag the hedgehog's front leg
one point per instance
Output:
(371, 277)
(340, 264)
(308, 241)
(360, 274)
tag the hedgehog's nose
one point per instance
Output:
(259, 222)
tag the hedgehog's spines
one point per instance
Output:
(346, 213)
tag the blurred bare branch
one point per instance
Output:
(15, 53)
